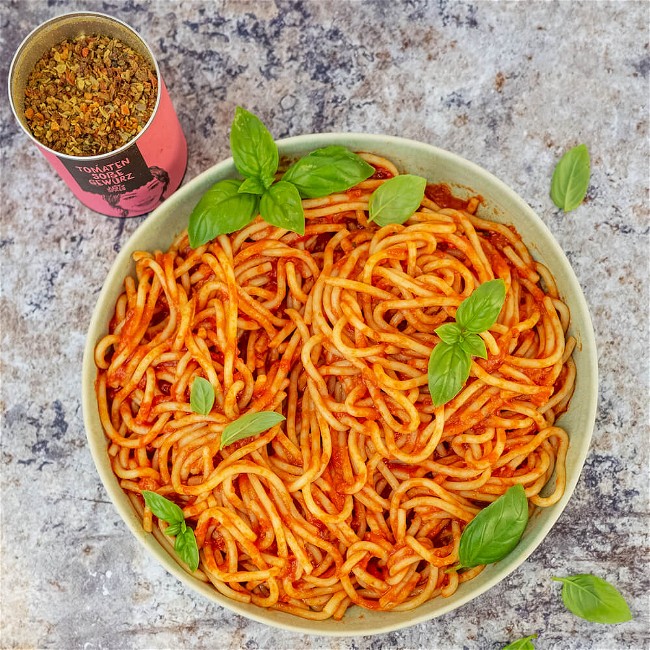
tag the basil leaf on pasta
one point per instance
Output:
(175, 528)
(201, 396)
(163, 508)
(449, 333)
(397, 199)
(326, 171)
(522, 644)
(594, 599)
(480, 310)
(451, 360)
(185, 544)
(252, 186)
(448, 371)
(253, 148)
(473, 344)
(496, 530)
(187, 549)
(221, 210)
(248, 425)
(571, 178)
(281, 206)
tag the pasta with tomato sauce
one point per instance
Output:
(361, 495)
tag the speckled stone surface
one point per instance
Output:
(508, 86)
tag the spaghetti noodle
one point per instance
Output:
(361, 495)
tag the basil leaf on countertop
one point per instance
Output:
(571, 178)
(480, 310)
(253, 148)
(594, 599)
(201, 396)
(496, 530)
(221, 210)
(448, 371)
(327, 171)
(248, 425)
(187, 549)
(522, 644)
(397, 199)
(281, 206)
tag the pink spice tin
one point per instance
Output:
(137, 177)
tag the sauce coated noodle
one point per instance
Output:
(361, 496)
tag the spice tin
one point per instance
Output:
(133, 179)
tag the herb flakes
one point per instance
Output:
(89, 96)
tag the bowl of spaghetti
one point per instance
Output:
(346, 517)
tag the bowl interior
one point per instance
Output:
(500, 204)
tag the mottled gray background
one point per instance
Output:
(508, 86)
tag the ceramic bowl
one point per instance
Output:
(500, 204)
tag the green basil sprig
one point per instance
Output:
(201, 396)
(571, 178)
(594, 599)
(327, 171)
(281, 206)
(185, 543)
(253, 150)
(221, 210)
(525, 643)
(479, 311)
(448, 369)
(451, 359)
(231, 205)
(395, 200)
(248, 425)
(495, 531)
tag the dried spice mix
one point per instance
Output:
(89, 96)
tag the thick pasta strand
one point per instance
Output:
(360, 497)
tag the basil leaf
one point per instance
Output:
(253, 148)
(201, 396)
(448, 371)
(187, 549)
(571, 178)
(594, 599)
(397, 199)
(185, 544)
(327, 171)
(480, 310)
(175, 528)
(248, 425)
(220, 210)
(163, 508)
(496, 530)
(281, 206)
(252, 186)
(450, 333)
(473, 344)
(522, 644)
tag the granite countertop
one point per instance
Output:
(509, 86)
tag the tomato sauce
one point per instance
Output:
(441, 194)
(497, 239)
(381, 173)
